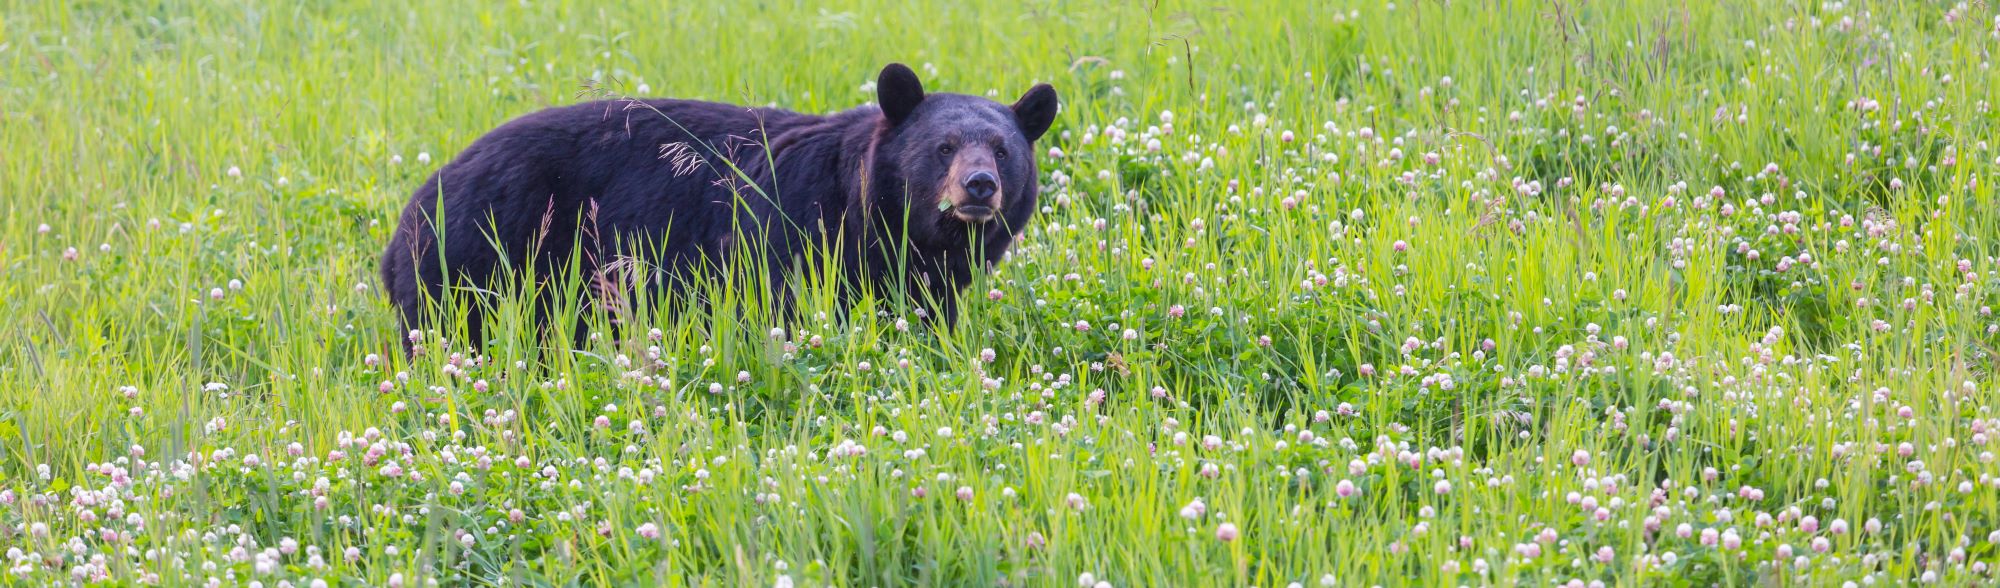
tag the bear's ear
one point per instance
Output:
(899, 91)
(1036, 111)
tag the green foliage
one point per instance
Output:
(1482, 293)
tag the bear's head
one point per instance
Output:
(957, 162)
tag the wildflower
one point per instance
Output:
(1194, 510)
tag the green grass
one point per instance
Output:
(1549, 253)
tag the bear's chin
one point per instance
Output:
(973, 215)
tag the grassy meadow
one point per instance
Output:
(1322, 293)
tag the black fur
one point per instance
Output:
(603, 176)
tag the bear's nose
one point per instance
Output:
(981, 185)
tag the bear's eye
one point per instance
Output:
(945, 150)
(999, 153)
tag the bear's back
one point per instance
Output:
(647, 125)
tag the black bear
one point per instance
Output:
(911, 195)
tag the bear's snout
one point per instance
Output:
(972, 187)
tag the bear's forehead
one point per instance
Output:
(956, 114)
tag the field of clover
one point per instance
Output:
(1321, 293)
